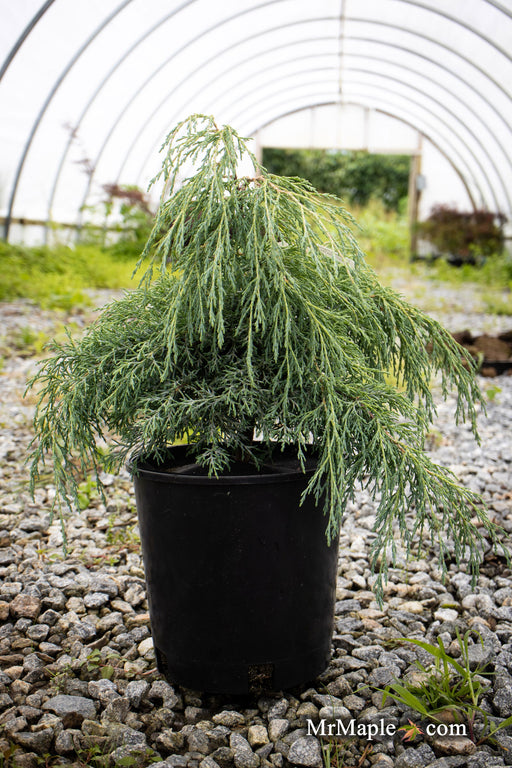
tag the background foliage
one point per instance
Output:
(354, 176)
(127, 221)
(59, 277)
(467, 235)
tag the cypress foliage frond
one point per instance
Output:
(257, 312)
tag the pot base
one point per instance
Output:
(243, 678)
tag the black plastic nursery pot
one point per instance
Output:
(240, 578)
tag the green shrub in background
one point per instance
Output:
(357, 177)
(495, 272)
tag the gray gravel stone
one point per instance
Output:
(103, 690)
(198, 741)
(453, 761)
(382, 676)
(306, 751)
(332, 714)
(161, 690)
(243, 755)
(418, 757)
(96, 600)
(383, 761)
(169, 741)
(207, 762)
(26, 606)
(480, 657)
(454, 745)
(135, 691)
(7, 556)
(39, 742)
(68, 741)
(278, 709)
(223, 756)
(134, 756)
(176, 761)
(71, 709)
(103, 584)
(229, 718)
(503, 700)
(117, 710)
(122, 735)
(277, 728)
(484, 760)
(257, 736)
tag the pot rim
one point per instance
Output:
(269, 474)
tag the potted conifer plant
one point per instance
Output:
(258, 373)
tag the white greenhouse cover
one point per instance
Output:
(90, 88)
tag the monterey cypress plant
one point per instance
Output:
(258, 316)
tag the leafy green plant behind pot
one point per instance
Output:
(257, 314)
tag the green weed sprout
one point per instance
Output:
(449, 687)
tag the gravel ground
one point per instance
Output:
(78, 681)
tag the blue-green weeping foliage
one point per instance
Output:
(257, 315)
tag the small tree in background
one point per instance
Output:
(135, 217)
(464, 236)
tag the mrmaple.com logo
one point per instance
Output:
(381, 729)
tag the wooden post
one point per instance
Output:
(416, 185)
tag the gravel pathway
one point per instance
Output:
(78, 682)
